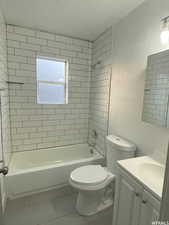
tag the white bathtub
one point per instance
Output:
(35, 171)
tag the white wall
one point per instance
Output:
(4, 114)
(136, 37)
(35, 126)
(4, 93)
(100, 88)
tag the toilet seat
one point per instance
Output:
(91, 177)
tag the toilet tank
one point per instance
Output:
(117, 149)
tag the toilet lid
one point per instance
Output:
(89, 175)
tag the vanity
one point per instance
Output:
(138, 191)
(140, 180)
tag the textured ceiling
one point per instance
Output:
(85, 19)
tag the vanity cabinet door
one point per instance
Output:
(127, 201)
(150, 208)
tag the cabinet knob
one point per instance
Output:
(144, 201)
(137, 194)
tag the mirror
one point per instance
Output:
(156, 92)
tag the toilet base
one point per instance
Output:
(89, 203)
(105, 205)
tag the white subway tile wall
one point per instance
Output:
(100, 89)
(35, 126)
(4, 93)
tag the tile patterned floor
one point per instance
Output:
(51, 208)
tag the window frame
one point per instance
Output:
(65, 82)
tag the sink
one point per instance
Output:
(151, 171)
(148, 171)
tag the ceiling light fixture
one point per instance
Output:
(165, 30)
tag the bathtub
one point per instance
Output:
(40, 170)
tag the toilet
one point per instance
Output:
(95, 183)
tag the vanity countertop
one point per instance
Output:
(147, 171)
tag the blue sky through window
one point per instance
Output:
(51, 81)
(50, 70)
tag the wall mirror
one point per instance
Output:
(156, 92)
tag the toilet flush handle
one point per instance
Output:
(137, 194)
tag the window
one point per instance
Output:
(52, 79)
